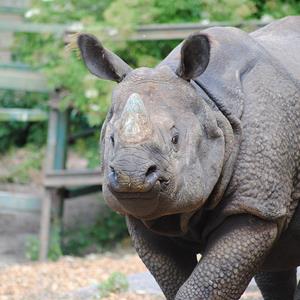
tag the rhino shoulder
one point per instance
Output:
(282, 41)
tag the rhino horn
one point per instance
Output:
(135, 122)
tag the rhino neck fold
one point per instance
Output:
(230, 125)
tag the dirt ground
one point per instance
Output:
(58, 280)
(55, 280)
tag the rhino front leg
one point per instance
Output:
(232, 257)
(168, 262)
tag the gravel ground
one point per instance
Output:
(77, 279)
(54, 280)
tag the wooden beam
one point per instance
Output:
(81, 191)
(15, 66)
(6, 40)
(12, 10)
(45, 224)
(24, 80)
(145, 32)
(15, 3)
(72, 178)
(14, 7)
(5, 56)
(12, 201)
(22, 115)
(57, 29)
(181, 31)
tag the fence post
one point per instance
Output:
(53, 200)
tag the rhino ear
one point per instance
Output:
(195, 53)
(100, 61)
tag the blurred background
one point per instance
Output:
(51, 112)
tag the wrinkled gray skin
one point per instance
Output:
(202, 155)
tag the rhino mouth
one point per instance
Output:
(160, 185)
(149, 194)
(142, 204)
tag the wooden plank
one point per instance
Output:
(51, 140)
(78, 192)
(146, 32)
(9, 17)
(45, 223)
(73, 178)
(181, 31)
(15, 3)
(13, 10)
(6, 40)
(62, 131)
(22, 115)
(51, 219)
(57, 139)
(23, 80)
(20, 4)
(161, 31)
(19, 201)
(5, 56)
(15, 65)
(57, 29)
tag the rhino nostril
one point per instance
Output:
(151, 170)
(112, 171)
(122, 180)
(113, 180)
(151, 175)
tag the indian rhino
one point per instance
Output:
(202, 155)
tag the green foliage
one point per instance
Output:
(229, 10)
(116, 283)
(169, 11)
(20, 133)
(106, 233)
(55, 250)
(19, 165)
(281, 8)
(32, 246)
(101, 236)
(89, 149)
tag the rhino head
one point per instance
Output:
(163, 147)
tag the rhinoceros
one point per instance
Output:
(202, 156)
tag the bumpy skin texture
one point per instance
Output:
(170, 262)
(217, 170)
(232, 256)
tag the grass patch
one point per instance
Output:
(32, 246)
(105, 234)
(116, 283)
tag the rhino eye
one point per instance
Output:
(112, 140)
(175, 139)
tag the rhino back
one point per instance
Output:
(257, 87)
(282, 40)
(266, 178)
